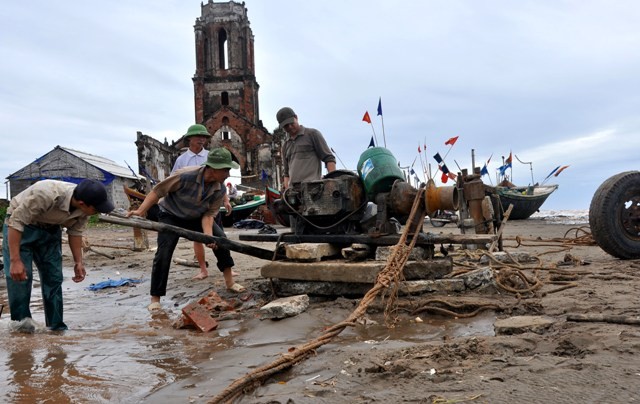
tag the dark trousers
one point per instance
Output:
(167, 243)
(42, 247)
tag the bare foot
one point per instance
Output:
(200, 276)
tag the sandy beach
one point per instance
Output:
(116, 351)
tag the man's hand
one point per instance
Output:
(18, 271)
(227, 206)
(79, 272)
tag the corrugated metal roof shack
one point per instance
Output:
(70, 165)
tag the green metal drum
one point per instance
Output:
(378, 169)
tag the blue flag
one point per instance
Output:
(445, 169)
(503, 168)
(551, 173)
(484, 171)
(438, 158)
(412, 172)
(371, 143)
(380, 106)
(263, 175)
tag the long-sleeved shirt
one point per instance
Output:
(44, 203)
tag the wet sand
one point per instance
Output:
(116, 351)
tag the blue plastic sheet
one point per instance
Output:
(113, 283)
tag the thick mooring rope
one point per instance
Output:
(389, 276)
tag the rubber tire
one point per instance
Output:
(605, 213)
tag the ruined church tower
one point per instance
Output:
(225, 86)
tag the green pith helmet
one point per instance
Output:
(197, 130)
(220, 158)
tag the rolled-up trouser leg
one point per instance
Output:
(223, 255)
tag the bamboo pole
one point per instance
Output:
(194, 236)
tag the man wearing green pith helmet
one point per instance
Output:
(196, 138)
(190, 199)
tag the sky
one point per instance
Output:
(553, 82)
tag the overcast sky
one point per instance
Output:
(556, 82)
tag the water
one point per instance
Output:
(116, 351)
(572, 217)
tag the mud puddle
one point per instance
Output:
(116, 351)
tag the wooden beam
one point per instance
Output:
(193, 236)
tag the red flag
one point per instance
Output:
(419, 151)
(452, 141)
(444, 178)
(366, 117)
(452, 176)
(509, 159)
(561, 169)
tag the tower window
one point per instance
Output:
(224, 98)
(226, 135)
(223, 51)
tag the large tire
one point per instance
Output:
(614, 215)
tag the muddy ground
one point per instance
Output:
(116, 351)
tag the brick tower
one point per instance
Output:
(226, 90)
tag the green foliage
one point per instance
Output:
(93, 220)
(3, 213)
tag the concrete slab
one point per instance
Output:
(284, 307)
(311, 251)
(522, 324)
(353, 272)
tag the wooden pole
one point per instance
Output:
(194, 236)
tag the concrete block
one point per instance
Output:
(501, 256)
(311, 251)
(480, 277)
(383, 253)
(285, 307)
(522, 324)
(431, 286)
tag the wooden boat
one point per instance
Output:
(526, 200)
(241, 211)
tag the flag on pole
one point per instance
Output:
(366, 117)
(452, 176)
(484, 171)
(452, 141)
(371, 143)
(444, 178)
(560, 170)
(503, 168)
(380, 106)
(509, 159)
(419, 151)
(551, 173)
(438, 158)
(444, 169)
(412, 172)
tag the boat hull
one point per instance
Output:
(240, 212)
(525, 200)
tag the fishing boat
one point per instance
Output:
(241, 211)
(525, 200)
